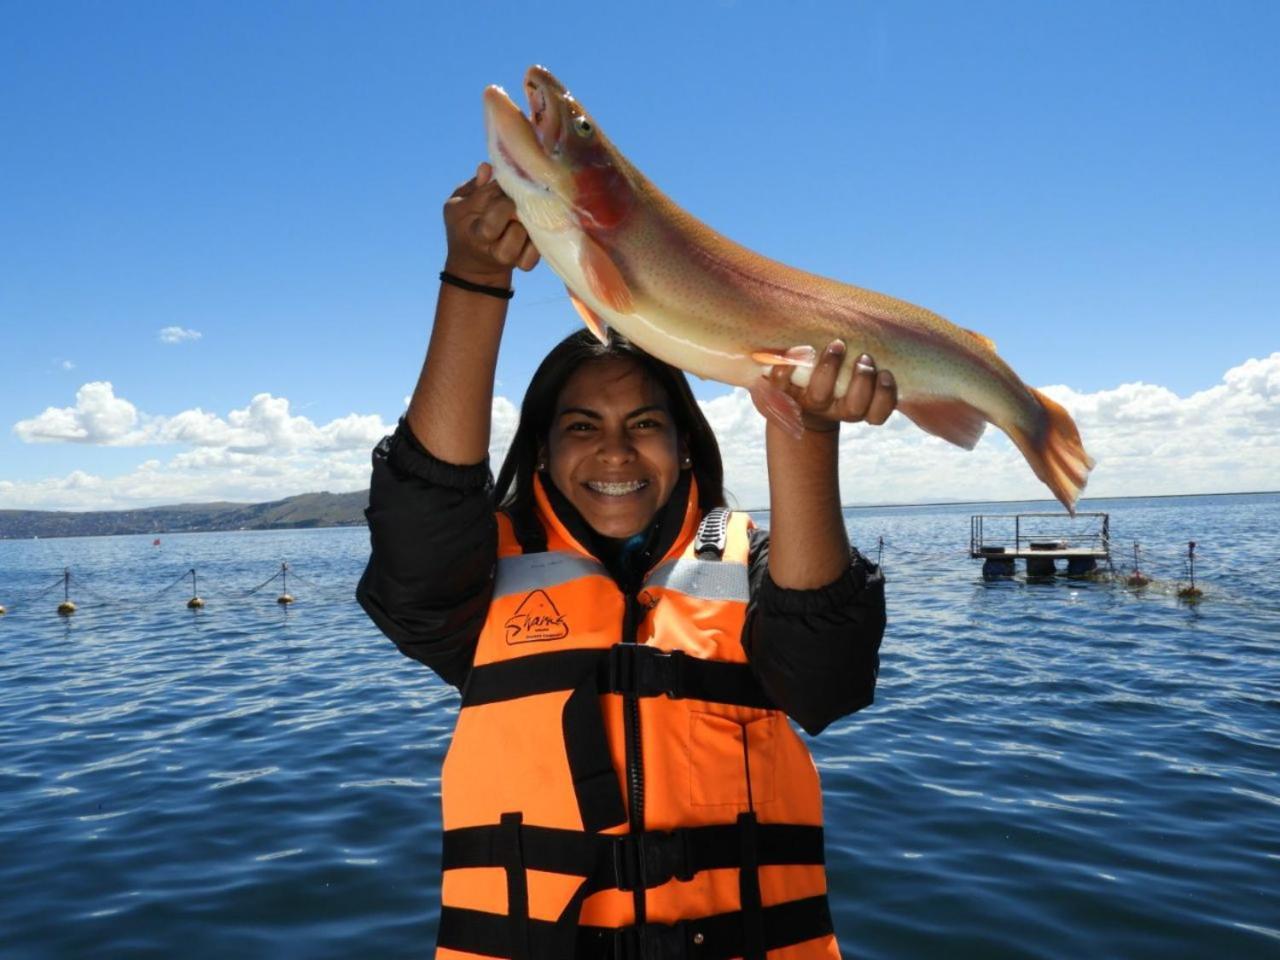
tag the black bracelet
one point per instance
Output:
(500, 292)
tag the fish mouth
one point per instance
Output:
(513, 139)
(547, 98)
(547, 124)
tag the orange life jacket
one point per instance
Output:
(633, 799)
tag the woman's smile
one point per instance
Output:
(616, 488)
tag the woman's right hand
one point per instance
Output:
(485, 239)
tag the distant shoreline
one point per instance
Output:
(320, 511)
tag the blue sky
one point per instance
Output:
(1090, 184)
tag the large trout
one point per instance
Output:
(635, 261)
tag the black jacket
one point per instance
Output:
(430, 579)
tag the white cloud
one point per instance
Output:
(258, 452)
(65, 364)
(178, 334)
(504, 417)
(99, 417)
(1146, 438)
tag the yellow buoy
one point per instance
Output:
(284, 598)
(66, 608)
(3, 611)
(195, 603)
(1191, 594)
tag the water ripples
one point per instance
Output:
(1049, 770)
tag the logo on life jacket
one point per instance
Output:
(536, 619)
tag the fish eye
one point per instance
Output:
(582, 125)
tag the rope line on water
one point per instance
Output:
(87, 585)
(1147, 567)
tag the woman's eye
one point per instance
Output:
(581, 426)
(647, 424)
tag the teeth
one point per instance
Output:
(617, 489)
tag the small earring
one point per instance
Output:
(687, 462)
(542, 466)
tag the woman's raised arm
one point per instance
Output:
(449, 412)
(432, 531)
(809, 547)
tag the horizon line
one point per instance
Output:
(964, 503)
(843, 506)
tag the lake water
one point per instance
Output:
(1049, 770)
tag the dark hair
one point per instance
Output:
(513, 491)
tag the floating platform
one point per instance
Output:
(1039, 540)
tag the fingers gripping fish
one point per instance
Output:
(634, 261)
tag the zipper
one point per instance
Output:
(635, 757)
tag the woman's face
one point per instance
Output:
(612, 449)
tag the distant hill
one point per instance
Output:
(306, 510)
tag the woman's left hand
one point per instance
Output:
(871, 397)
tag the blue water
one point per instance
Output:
(1050, 770)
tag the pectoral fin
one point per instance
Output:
(779, 406)
(589, 317)
(801, 359)
(947, 417)
(794, 357)
(604, 277)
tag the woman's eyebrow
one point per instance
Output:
(596, 416)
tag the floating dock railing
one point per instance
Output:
(1040, 540)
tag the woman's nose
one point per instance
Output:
(615, 448)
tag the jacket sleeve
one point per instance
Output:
(815, 652)
(434, 541)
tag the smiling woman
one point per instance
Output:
(613, 429)
(622, 776)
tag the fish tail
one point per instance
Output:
(1055, 451)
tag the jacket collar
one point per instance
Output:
(626, 561)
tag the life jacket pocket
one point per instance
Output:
(731, 761)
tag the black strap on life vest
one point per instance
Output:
(630, 861)
(627, 668)
(513, 862)
(595, 783)
(718, 937)
(749, 854)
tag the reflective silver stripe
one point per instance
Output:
(531, 571)
(707, 579)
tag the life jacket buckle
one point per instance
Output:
(652, 858)
(642, 671)
(670, 673)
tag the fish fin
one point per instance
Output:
(1056, 452)
(947, 417)
(802, 356)
(604, 277)
(590, 318)
(985, 341)
(779, 406)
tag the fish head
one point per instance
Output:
(555, 160)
